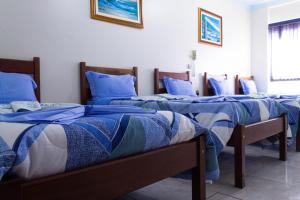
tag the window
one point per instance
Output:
(285, 50)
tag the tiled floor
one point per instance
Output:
(267, 179)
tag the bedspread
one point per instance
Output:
(31, 149)
(219, 114)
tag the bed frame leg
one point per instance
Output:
(298, 135)
(199, 173)
(283, 141)
(239, 160)
(298, 140)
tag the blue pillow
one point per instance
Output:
(105, 85)
(248, 86)
(220, 87)
(179, 87)
(16, 87)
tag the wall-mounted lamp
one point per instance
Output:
(194, 55)
(191, 66)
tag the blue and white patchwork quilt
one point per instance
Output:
(291, 103)
(50, 141)
(219, 114)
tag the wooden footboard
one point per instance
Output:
(116, 178)
(248, 134)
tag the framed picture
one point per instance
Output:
(210, 28)
(124, 12)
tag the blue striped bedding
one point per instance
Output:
(291, 103)
(50, 141)
(219, 114)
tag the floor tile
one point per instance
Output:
(267, 178)
(219, 196)
(263, 189)
(282, 173)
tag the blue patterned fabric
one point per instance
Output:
(105, 85)
(291, 105)
(220, 87)
(102, 134)
(179, 87)
(16, 87)
(218, 114)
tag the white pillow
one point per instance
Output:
(249, 86)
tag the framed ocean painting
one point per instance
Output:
(124, 12)
(210, 28)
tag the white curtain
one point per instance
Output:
(285, 51)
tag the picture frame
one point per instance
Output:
(123, 12)
(210, 30)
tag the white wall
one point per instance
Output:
(284, 12)
(62, 34)
(259, 48)
(234, 57)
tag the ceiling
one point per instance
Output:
(256, 2)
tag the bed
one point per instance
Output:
(242, 136)
(110, 179)
(239, 91)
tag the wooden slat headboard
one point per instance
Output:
(30, 67)
(207, 90)
(84, 85)
(159, 76)
(238, 88)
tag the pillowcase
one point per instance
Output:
(248, 86)
(105, 85)
(220, 87)
(179, 87)
(16, 87)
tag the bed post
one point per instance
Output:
(283, 140)
(237, 85)
(199, 172)
(83, 85)
(298, 135)
(189, 75)
(11, 190)
(36, 63)
(136, 74)
(205, 84)
(239, 160)
(156, 81)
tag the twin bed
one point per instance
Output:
(242, 134)
(239, 91)
(112, 178)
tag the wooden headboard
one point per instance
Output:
(159, 76)
(84, 85)
(207, 90)
(238, 88)
(30, 67)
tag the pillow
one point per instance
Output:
(179, 87)
(105, 85)
(248, 86)
(16, 87)
(220, 87)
